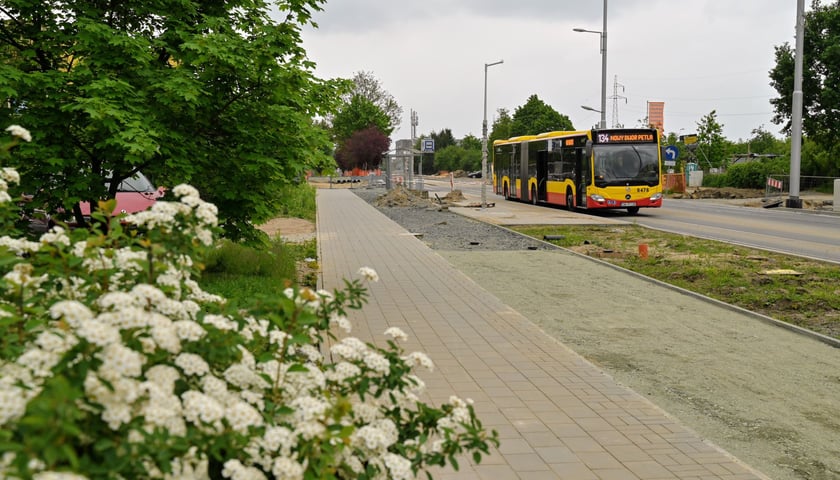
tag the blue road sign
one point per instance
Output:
(428, 145)
(672, 152)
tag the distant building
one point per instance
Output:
(750, 157)
(656, 116)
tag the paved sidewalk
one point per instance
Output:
(558, 416)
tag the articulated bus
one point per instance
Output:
(589, 169)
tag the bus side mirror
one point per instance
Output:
(587, 151)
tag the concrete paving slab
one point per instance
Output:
(499, 211)
(557, 414)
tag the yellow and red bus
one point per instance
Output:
(585, 169)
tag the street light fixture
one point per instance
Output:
(585, 107)
(484, 139)
(603, 34)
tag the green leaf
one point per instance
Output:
(298, 368)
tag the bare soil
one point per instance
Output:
(754, 198)
(792, 289)
(289, 229)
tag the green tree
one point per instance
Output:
(367, 86)
(820, 85)
(456, 157)
(182, 90)
(502, 127)
(817, 160)
(537, 117)
(471, 142)
(821, 74)
(711, 144)
(358, 114)
(763, 142)
(442, 139)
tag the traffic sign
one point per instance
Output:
(428, 145)
(689, 139)
(672, 152)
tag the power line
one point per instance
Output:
(615, 98)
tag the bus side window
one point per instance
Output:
(555, 166)
(568, 165)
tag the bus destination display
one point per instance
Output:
(625, 137)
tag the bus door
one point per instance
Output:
(583, 167)
(514, 172)
(542, 175)
(524, 192)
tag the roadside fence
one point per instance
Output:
(778, 186)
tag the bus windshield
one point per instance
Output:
(627, 164)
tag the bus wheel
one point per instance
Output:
(570, 200)
(633, 210)
(533, 195)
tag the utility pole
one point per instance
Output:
(615, 98)
(793, 200)
(604, 70)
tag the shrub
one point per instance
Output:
(715, 180)
(115, 364)
(747, 175)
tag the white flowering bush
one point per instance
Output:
(115, 364)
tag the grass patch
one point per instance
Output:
(298, 201)
(240, 272)
(741, 276)
(243, 273)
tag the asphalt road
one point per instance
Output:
(797, 232)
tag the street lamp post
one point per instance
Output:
(484, 139)
(603, 34)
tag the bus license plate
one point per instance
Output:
(628, 204)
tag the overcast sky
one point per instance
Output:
(696, 56)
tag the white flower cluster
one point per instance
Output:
(160, 359)
(396, 333)
(340, 321)
(19, 132)
(369, 274)
(460, 413)
(7, 176)
(19, 246)
(22, 277)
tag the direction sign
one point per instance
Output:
(672, 152)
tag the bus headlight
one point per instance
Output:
(597, 198)
(656, 197)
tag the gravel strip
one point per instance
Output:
(441, 229)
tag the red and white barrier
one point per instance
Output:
(775, 183)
